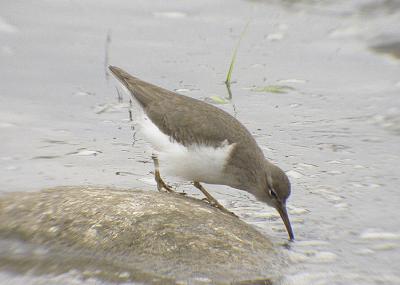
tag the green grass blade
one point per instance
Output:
(273, 89)
(233, 60)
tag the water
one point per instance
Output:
(336, 131)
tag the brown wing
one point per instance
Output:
(185, 119)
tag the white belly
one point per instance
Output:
(194, 163)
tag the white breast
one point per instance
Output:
(194, 163)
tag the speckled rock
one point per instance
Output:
(131, 235)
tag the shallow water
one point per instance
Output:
(336, 131)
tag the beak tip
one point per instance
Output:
(285, 217)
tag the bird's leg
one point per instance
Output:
(160, 183)
(213, 202)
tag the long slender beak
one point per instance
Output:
(285, 217)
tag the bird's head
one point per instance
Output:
(275, 192)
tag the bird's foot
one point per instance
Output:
(211, 200)
(214, 203)
(161, 184)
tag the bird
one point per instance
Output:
(201, 143)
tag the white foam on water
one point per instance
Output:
(341, 206)
(292, 80)
(87, 152)
(148, 180)
(311, 256)
(170, 15)
(359, 166)
(364, 251)
(334, 172)
(297, 221)
(335, 162)
(294, 174)
(306, 279)
(297, 257)
(375, 235)
(332, 277)
(275, 36)
(312, 243)
(71, 278)
(83, 93)
(334, 198)
(266, 215)
(297, 211)
(324, 257)
(11, 167)
(267, 148)
(307, 165)
(385, 246)
(182, 90)
(357, 185)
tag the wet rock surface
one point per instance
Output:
(131, 235)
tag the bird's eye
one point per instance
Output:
(272, 193)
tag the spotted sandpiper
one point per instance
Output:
(202, 143)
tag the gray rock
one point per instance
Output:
(130, 235)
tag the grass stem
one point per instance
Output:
(231, 66)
